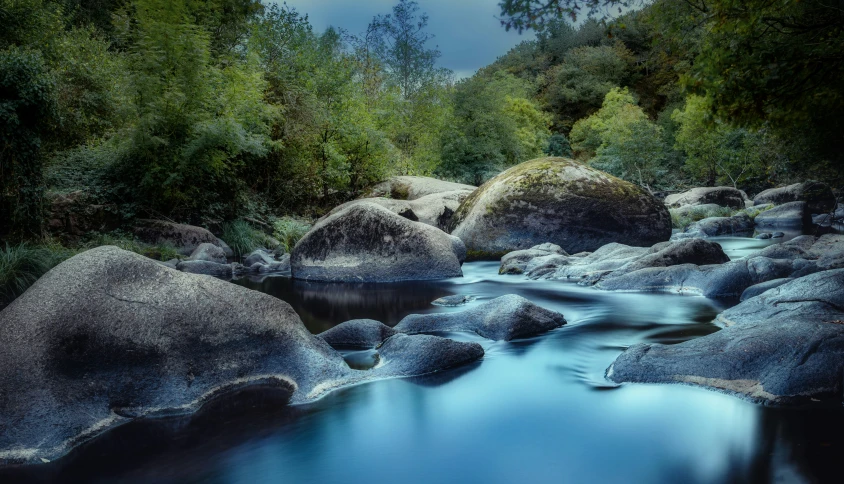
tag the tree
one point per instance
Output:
(624, 141)
(28, 109)
(536, 14)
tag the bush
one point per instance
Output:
(161, 252)
(243, 238)
(21, 265)
(289, 230)
(688, 215)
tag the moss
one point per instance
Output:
(399, 191)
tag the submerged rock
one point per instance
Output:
(368, 243)
(415, 187)
(785, 346)
(357, 333)
(817, 196)
(453, 301)
(740, 224)
(503, 318)
(561, 201)
(723, 196)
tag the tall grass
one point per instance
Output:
(21, 265)
(243, 238)
(289, 230)
(153, 251)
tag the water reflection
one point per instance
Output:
(537, 410)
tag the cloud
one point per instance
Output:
(467, 32)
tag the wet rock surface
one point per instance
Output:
(723, 196)
(368, 243)
(503, 318)
(209, 252)
(790, 215)
(357, 333)
(560, 201)
(739, 225)
(784, 346)
(435, 209)
(818, 196)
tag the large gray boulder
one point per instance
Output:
(415, 187)
(738, 225)
(561, 201)
(516, 262)
(109, 336)
(368, 243)
(503, 318)
(723, 196)
(789, 215)
(435, 209)
(185, 238)
(818, 196)
(784, 346)
(357, 333)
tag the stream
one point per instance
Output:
(534, 411)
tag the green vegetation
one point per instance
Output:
(288, 231)
(680, 219)
(21, 265)
(236, 115)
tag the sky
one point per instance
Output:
(467, 32)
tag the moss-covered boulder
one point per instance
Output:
(561, 201)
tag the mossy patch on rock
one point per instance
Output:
(562, 201)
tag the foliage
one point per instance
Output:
(495, 126)
(288, 231)
(22, 264)
(27, 111)
(558, 145)
(243, 238)
(691, 214)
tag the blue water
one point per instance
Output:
(532, 411)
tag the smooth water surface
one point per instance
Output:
(531, 411)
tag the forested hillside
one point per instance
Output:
(207, 112)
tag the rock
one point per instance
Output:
(617, 259)
(205, 267)
(357, 333)
(818, 196)
(435, 209)
(415, 187)
(185, 238)
(368, 243)
(171, 264)
(764, 236)
(723, 196)
(453, 301)
(561, 201)
(792, 215)
(503, 318)
(262, 256)
(109, 336)
(75, 214)
(516, 262)
(406, 355)
(740, 224)
(209, 252)
(777, 235)
(758, 289)
(785, 346)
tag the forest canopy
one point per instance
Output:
(212, 111)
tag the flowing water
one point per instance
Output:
(533, 411)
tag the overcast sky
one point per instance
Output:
(466, 31)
